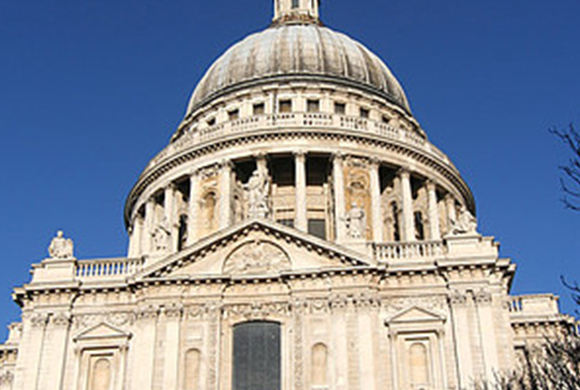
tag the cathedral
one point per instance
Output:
(298, 232)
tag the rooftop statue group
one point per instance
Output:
(60, 247)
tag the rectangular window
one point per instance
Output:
(313, 105)
(339, 108)
(259, 109)
(364, 113)
(234, 114)
(295, 4)
(286, 222)
(285, 105)
(317, 227)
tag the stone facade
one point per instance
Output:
(298, 191)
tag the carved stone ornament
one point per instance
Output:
(355, 221)
(60, 247)
(466, 223)
(256, 257)
(6, 377)
(257, 189)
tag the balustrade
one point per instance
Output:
(386, 252)
(108, 268)
(297, 119)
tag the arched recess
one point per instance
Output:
(256, 356)
(419, 365)
(209, 211)
(192, 369)
(319, 366)
(101, 374)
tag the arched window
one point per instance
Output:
(418, 365)
(319, 365)
(192, 369)
(256, 356)
(101, 375)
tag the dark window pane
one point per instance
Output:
(339, 108)
(256, 356)
(317, 227)
(286, 222)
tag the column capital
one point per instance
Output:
(404, 171)
(338, 156)
(300, 153)
(374, 162)
(431, 184)
(225, 163)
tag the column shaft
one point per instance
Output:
(300, 217)
(225, 196)
(339, 206)
(434, 226)
(376, 209)
(149, 224)
(193, 208)
(407, 206)
(170, 217)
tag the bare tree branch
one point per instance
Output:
(570, 182)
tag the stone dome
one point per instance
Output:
(298, 52)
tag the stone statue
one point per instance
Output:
(257, 189)
(60, 247)
(160, 236)
(465, 223)
(355, 222)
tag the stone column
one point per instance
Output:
(451, 212)
(170, 216)
(136, 238)
(434, 228)
(376, 209)
(149, 224)
(408, 231)
(300, 217)
(225, 195)
(172, 318)
(193, 208)
(339, 199)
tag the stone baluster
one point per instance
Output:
(149, 224)
(170, 217)
(408, 231)
(339, 199)
(193, 208)
(434, 227)
(225, 199)
(376, 209)
(300, 218)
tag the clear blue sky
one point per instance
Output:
(91, 90)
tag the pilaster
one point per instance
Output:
(193, 208)
(376, 209)
(225, 197)
(339, 199)
(434, 226)
(408, 231)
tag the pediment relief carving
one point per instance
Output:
(257, 257)
(102, 331)
(254, 248)
(416, 314)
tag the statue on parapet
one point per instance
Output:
(257, 189)
(466, 223)
(355, 221)
(60, 247)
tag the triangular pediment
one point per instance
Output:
(254, 248)
(416, 314)
(101, 331)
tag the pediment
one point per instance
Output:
(102, 331)
(254, 248)
(415, 314)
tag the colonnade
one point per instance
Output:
(158, 228)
